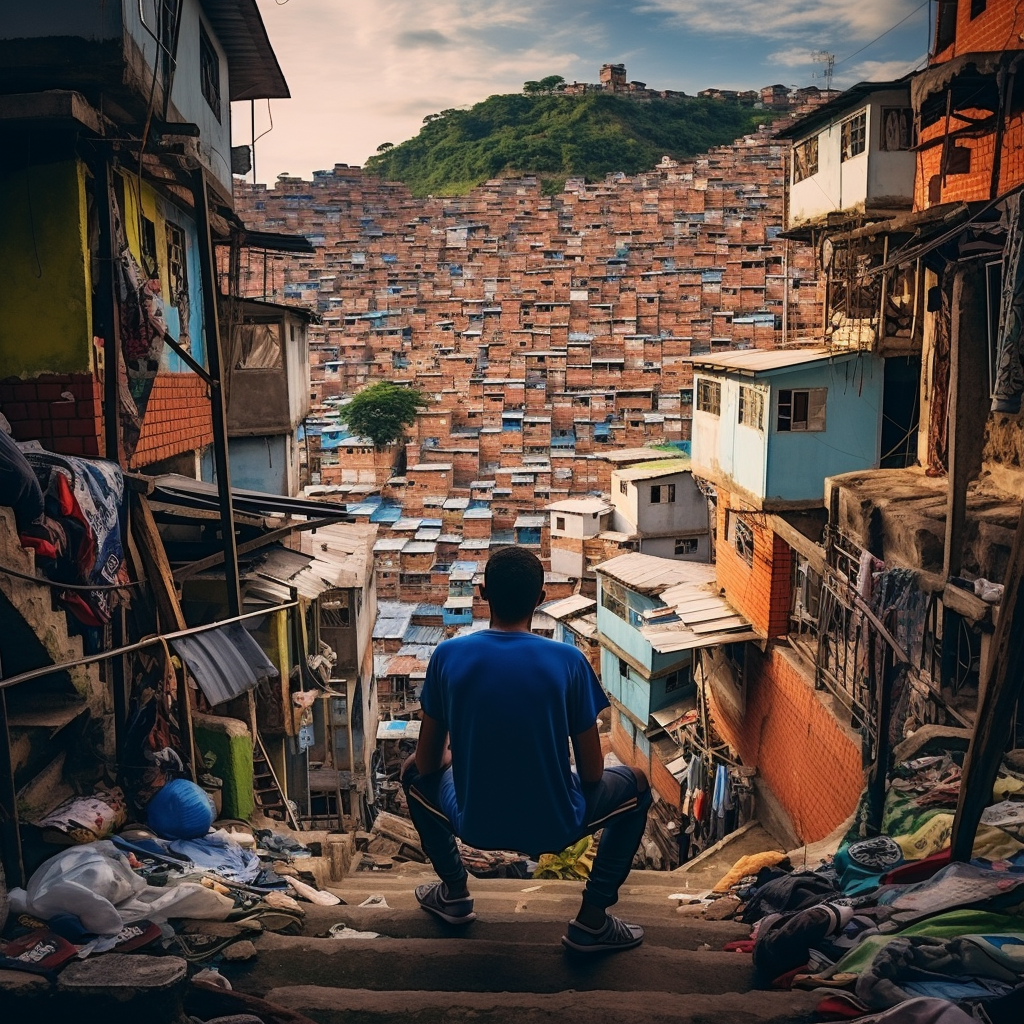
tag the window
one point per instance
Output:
(686, 546)
(751, 407)
(258, 347)
(740, 536)
(559, 522)
(613, 598)
(209, 72)
(709, 397)
(623, 669)
(663, 494)
(676, 680)
(853, 134)
(897, 128)
(805, 159)
(802, 410)
(686, 396)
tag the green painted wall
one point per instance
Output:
(45, 284)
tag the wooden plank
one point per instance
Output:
(1002, 685)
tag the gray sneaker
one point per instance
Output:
(433, 898)
(612, 936)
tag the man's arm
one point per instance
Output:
(589, 759)
(432, 753)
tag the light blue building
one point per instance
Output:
(652, 615)
(769, 426)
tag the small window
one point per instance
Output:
(805, 159)
(897, 128)
(663, 494)
(686, 396)
(676, 680)
(740, 536)
(802, 410)
(623, 487)
(853, 132)
(751, 407)
(559, 522)
(686, 546)
(623, 669)
(209, 72)
(709, 397)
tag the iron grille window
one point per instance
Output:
(741, 536)
(209, 72)
(686, 546)
(802, 410)
(853, 132)
(751, 407)
(709, 397)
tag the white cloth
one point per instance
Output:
(96, 884)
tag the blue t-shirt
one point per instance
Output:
(510, 702)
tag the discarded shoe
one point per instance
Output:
(433, 899)
(614, 935)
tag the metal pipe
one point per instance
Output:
(92, 659)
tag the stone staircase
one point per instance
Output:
(508, 966)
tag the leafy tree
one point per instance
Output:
(382, 411)
(555, 137)
(552, 83)
(385, 146)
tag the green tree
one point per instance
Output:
(553, 83)
(385, 146)
(382, 411)
(531, 88)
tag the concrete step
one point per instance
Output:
(535, 922)
(598, 1006)
(467, 965)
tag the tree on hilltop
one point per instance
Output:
(382, 411)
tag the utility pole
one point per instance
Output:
(828, 60)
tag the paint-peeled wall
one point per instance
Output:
(45, 278)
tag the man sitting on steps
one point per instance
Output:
(500, 709)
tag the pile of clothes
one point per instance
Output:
(146, 886)
(890, 928)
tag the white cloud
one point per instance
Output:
(362, 73)
(833, 19)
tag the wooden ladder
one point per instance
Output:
(267, 790)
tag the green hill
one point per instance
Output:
(556, 137)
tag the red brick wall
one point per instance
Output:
(977, 184)
(999, 27)
(760, 592)
(178, 419)
(662, 781)
(806, 758)
(38, 412)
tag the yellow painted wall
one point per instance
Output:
(138, 194)
(45, 281)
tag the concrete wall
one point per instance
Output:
(868, 178)
(725, 450)
(798, 461)
(85, 19)
(665, 547)
(46, 282)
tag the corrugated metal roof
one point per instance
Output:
(665, 467)
(581, 506)
(393, 618)
(454, 603)
(253, 70)
(627, 455)
(648, 574)
(758, 360)
(423, 635)
(568, 606)
(530, 522)
(225, 662)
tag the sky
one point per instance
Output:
(365, 72)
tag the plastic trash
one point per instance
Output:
(181, 810)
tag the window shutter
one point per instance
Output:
(816, 408)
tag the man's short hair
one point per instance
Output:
(513, 579)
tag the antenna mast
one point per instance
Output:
(829, 62)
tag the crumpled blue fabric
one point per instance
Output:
(219, 856)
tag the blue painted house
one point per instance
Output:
(769, 426)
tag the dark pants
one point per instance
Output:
(617, 804)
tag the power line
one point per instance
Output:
(885, 33)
